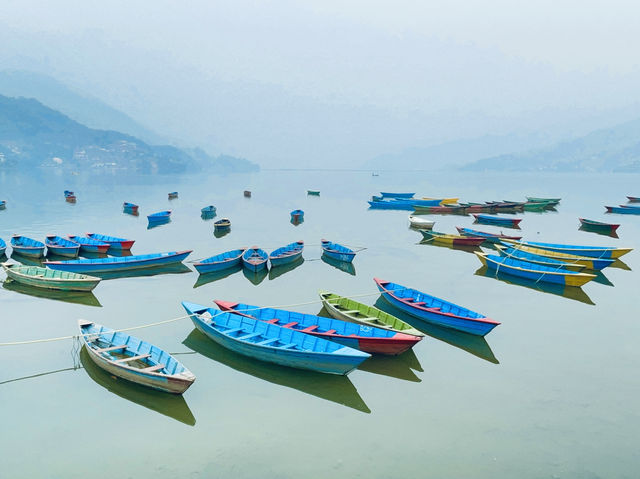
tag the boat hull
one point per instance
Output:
(598, 226)
(121, 244)
(451, 240)
(126, 263)
(203, 268)
(29, 251)
(275, 262)
(497, 221)
(590, 252)
(66, 281)
(621, 210)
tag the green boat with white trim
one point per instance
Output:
(49, 278)
(347, 309)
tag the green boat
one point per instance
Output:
(347, 309)
(49, 278)
(313, 192)
(538, 205)
(551, 201)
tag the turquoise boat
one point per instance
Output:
(62, 247)
(48, 278)
(272, 343)
(3, 247)
(3, 204)
(220, 262)
(208, 210)
(27, 246)
(337, 251)
(514, 253)
(118, 264)
(287, 254)
(624, 210)
(135, 360)
(255, 259)
(90, 245)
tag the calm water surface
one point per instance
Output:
(552, 392)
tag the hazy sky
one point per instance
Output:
(338, 82)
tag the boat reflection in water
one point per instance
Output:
(571, 292)
(277, 271)
(341, 265)
(27, 260)
(601, 278)
(220, 232)
(476, 345)
(176, 268)
(208, 215)
(76, 297)
(467, 249)
(130, 211)
(296, 220)
(216, 275)
(155, 223)
(256, 277)
(120, 253)
(610, 234)
(330, 387)
(171, 405)
(618, 263)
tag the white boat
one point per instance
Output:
(420, 222)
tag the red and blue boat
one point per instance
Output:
(488, 237)
(119, 263)
(365, 338)
(220, 262)
(286, 254)
(27, 246)
(61, 246)
(337, 251)
(497, 220)
(255, 259)
(598, 226)
(114, 242)
(90, 245)
(130, 207)
(435, 310)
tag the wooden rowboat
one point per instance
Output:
(159, 216)
(130, 206)
(27, 246)
(90, 245)
(255, 259)
(357, 336)
(443, 201)
(114, 242)
(435, 310)
(287, 254)
(220, 262)
(451, 240)
(579, 250)
(222, 224)
(532, 271)
(598, 225)
(588, 262)
(272, 343)
(497, 220)
(420, 223)
(49, 279)
(633, 199)
(347, 309)
(624, 210)
(3, 204)
(313, 193)
(134, 360)
(118, 264)
(522, 255)
(337, 251)
(208, 210)
(488, 237)
(62, 247)
(444, 210)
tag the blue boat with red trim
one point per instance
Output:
(90, 245)
(357, 336)
(272, 343)
(286, 254)
(497, 220)
(435, 310)
(114, 242)
(624, 209)
(159, 217)
(255, 259)
(61, 246)
(27, 246)
(3, 247)
(119, 263)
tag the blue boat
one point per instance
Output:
(117, 264)
(159, 216)
(358, 336)
(90, 245)
(61, 246)
(497, 220)
(220, 262)
(402, 204)
(68, 193)
(514, 253)
(3, 204)
(272, 343)
(386, 194)
(3, 247)
(624, 209)
(435, 310)
(255, 259)
(27, 246)
(533, 271)
(133, 359)
(130, 206)
(337, 251)
(286, 254)
(114, 242)
(607, 252)
(488, 237)
(297, 215)
(208, 210)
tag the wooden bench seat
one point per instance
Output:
(249, 336)
(111, 348)
(132, 358)
(152, 369)
(267, 342)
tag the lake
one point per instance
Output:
(551, 392)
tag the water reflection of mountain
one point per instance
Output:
(216, 276)
(77, 297)
(470, 343)
(177, 268)
(277, 271)
(341, 265)
(337, 389)
(570, 292)
(171, 405)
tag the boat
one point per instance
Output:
(90, 245)
(386, 194)
(113, 242)
(68, 193)
(365, 338)
(445, 210)
(255, 259)
(222, 224)
(497, 220)
(272, 343)
(536, 258)
(579, 250)
(287, 254)
(208, 210)
(160, 216)
(27, 246)
(49, 279)
(313, 193)
(420, 223)
(598, 225)
(633, 199)
(532, 271)
(435, 310)
(550, 201)
(488, 237)
(130, 206)
(443, 201)
(624, 210)
(121, 263)
(390, 205)
(3, 204)
(595, 264)
(451, 240)
(61, 246)
(337, 251)
(173, 195)
(3, 247)
(135, 360)
(247, 194)
(220, 262)
(346, 309)
(537, 206)
(297, 215)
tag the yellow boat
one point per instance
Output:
(589, 263)
(444, 201)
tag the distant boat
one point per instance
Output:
(130, 207)
(445, 210)
(598, 226)
(420, 223)
(255, 259)
(550, 201)
(27, 246)
(624, 210)
(272, 343)
(222, 224)
(386, 194)
(3, 247)
(117, 264)
(208, 210)
(580, 250)
(538, 259)
(49, 279)
(373, 173)
(173, 195)
(133, 359)
(634, 199)
(451, 240)
(220, 262)
(62, 247)
(160, 216)
(297, 215)
(588, 262)
(489, 237)
(313, 193)
(337, 251)
(3, 204)
(114, 242)
(68, 193)
(247, 194)
(90, 245)
(287, 254)
(497, 220)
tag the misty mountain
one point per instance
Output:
(615, 149)
(32, 134)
